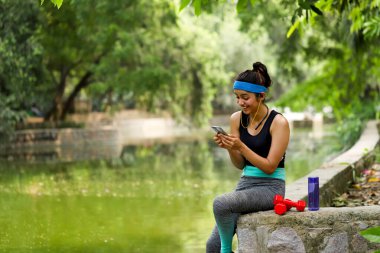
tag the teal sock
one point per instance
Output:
(226, 240)
(226, 227)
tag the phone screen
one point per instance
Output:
(218, 129)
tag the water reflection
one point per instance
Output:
(155, 197)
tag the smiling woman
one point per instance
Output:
(257, 144)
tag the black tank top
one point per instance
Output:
(260, 143)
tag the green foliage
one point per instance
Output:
(340, 87)
(372, 28)
(56, 3)
(183, 4)
(9, 116)
(372, 234)
(349, 130)
(348, 82)
(360, 14)
(124, 58)
(21, 65)
(110, 53)
(20, 52)
(141, 54)
(347, 87)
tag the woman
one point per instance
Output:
(257, 144)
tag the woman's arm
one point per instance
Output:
(236, 158)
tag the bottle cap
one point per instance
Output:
(313, 179)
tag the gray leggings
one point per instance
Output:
(252, 194)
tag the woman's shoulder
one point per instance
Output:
(235, 122)
(280, 120)
(235, 116)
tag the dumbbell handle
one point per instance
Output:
(299, 205)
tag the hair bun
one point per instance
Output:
(262, 69)
(258, 66)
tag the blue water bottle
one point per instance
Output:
(313, 193)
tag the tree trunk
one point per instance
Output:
(83, 83)
(197, 93)
(56, 110)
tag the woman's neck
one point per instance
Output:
(260, 116)
(262, 111)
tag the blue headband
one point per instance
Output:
(250, 87)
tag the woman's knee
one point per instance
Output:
(220, 204)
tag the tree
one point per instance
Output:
(349, 81)
(339, 33)
(94, 41)
(21, 67)
(111, 52)
(114, 50)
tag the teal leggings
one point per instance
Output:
(252, 194)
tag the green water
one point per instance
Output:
(155, 198)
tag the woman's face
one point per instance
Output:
(247, 101)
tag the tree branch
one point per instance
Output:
(83, 83)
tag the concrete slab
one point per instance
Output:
(343, 164)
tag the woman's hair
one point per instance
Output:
(258, 75)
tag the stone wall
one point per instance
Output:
(330, 229)
(327, 230)
(69, 144)
(103, 140)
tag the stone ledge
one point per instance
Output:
(327, 230)
(312, 218)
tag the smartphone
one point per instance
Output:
(219, 129)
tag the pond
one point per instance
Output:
(154, 198)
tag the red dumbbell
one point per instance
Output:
(279, 199)
(282, 205)
(280, 208)
(299, 205)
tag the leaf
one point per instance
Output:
(371, 234)
(375, 3)
(57, 3)
(304, 4)
(316, 10)
(292, 28)
(299, 12)
(184, 3)
(42, 2)
(339, 201)
(197, 7)
(372, 28)
(241, 5)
